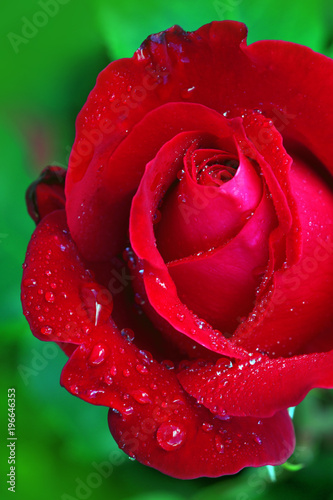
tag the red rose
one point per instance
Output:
(192, 287)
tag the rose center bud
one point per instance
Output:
(213, 232)
(216, 170)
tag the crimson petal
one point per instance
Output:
(258, 387)
(46, 193)
(160, 288)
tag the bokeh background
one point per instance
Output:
(48, 66)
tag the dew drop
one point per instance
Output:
(157, 217)
(128, 411)
(113, 370)
(141, 368)
(180, 174)
(74, 389)
(93, 393)
(108, 379)
(128, 334)
(49, 297)
(46, 330)
(141, 396)
(126, 372)
(186, 93)
(169, 365)
(257, 439)
(206, 427)
(219, 446)
(29, 282)
(41, 319)
(97, 355)
(170, 436)
(146, 355)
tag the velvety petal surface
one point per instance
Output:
(160, 288)
(153, 419)
(273, 77)
(298, 308)
(259, 387)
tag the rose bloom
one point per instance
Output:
(185, 265)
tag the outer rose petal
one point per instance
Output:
(59, 296)
(298, 309)
(198, 67)
(106, 369)
(259, 387)
(113, 177)
(159, 424)
(46, 193)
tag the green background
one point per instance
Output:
(45, 81)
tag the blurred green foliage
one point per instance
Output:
(45, 81)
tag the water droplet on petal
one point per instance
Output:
(169, 365)
(113, 370)
(206, 427)
(49, 297)
(128, 334)
(108, 379)
(126, 372)
(157, 217)
(93, 393)
(170, 436)
(257, 439)
(29, 282)
(146, 355)
(219, 444)
(141, 368)
(128, 411)
(141, 396)
(46, 330)
(97, 355)
(186, 93)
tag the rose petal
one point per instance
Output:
(298, 307)
(259, 387)
(196, 218)
(156, 423)
(160, 288)
(60, 298)
(271, 76)
(220, 285)
(111, 181)
(46, 193)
